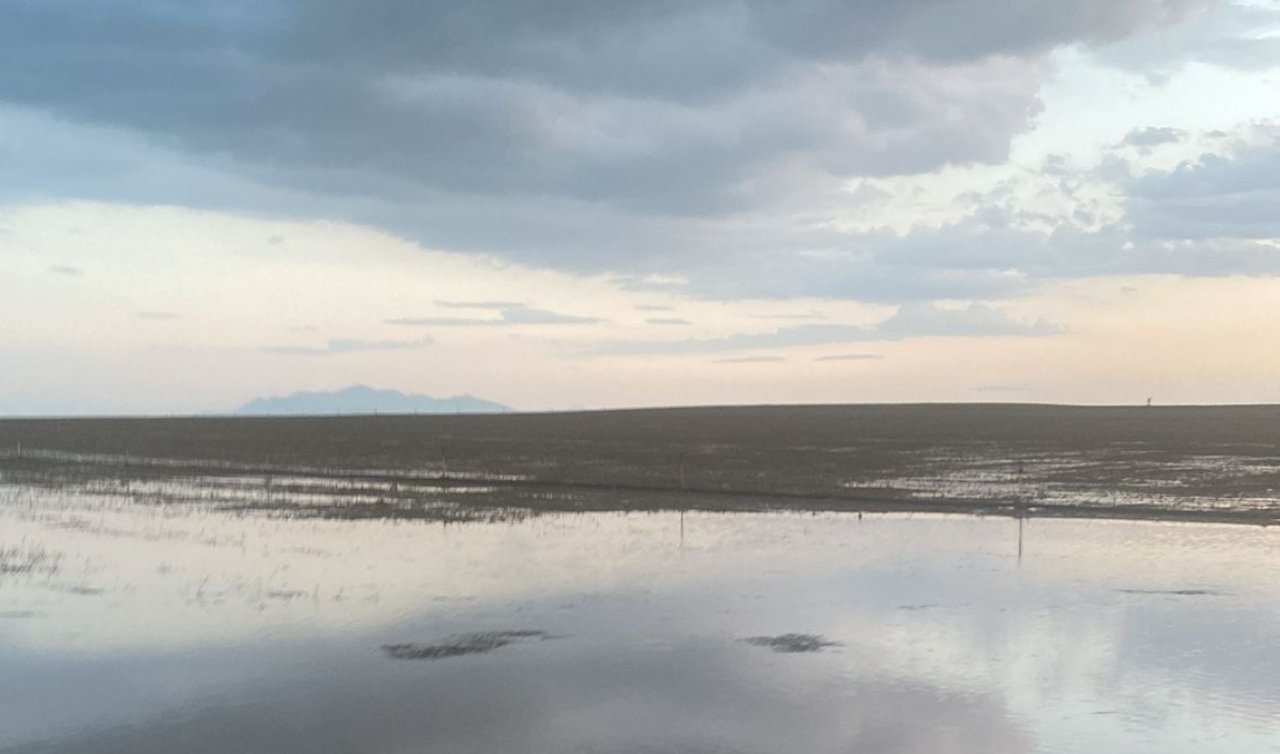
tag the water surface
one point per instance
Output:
(139, 626)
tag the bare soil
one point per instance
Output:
(1217, 463)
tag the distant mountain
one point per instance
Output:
(360, 399)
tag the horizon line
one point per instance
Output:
(625, 409)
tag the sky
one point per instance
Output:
(578, 204)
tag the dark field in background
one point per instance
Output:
(1195, 463)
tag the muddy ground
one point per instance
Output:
(1191, 463)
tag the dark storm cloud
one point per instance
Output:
(631, 138)
(709, 46)
(651, 107)
(910, 321)
(657, 108)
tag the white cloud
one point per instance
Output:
(340, 346)
(910, 321)
(507, 314)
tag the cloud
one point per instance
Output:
(1229, 37)
(652, 308)
(1153, 136)
(1218, 196)
(1008, 388)
(659, 143)
(480, 304)
(804, 315)
(975, 320)
(527, 316)
(1208, 217)
(750, 360)
(668, 108)
(639, 699)
(606, 138)
(910, 321)
(508, 314)
(346, 346)
(667, 321)
(59, 269)
(850, 357)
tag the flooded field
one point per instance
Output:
(225, 609)
(1219, 464)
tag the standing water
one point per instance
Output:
(148, 627)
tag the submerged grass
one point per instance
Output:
(26, 561)
(461, 645)
(792, 643)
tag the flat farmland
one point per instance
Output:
(1217, 463)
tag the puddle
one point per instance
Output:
(131, 626)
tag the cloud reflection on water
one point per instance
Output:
(172, 628)
(689, 698)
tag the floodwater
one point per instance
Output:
(131, 624)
